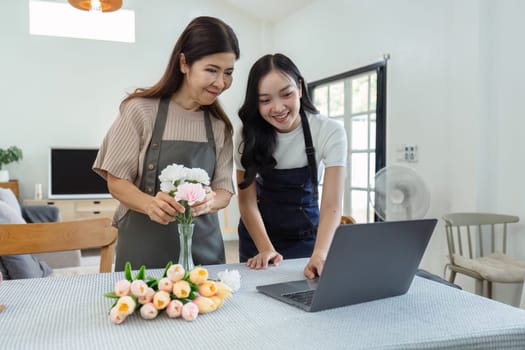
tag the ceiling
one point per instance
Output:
(269, 10)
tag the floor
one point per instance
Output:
(92, 256)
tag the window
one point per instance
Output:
(63, 20)
(357, 100)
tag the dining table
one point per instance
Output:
(71, 312)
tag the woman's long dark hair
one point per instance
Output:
(259, 137)
(203, 36)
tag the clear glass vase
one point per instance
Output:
(185, 237)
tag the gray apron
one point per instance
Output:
(142, 241)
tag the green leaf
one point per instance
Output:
(111, 295)
(141, 274)
(168, 265)
(127, 271)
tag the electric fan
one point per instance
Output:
(400, 194)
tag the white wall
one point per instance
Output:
(454, 89)
(66, 92)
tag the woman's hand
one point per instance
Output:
(163, 208)
(261, 260)
(205, 206)
(314, 268)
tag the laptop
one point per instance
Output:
(365, 262)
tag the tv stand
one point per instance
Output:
(72, 209)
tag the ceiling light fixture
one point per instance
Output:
(96, 5)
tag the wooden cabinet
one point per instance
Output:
(71, 209)
(12, 185)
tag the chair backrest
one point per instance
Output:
(60, 236)
(347, 219)
(467, 233)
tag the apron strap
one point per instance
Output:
(309, 148)
(209, 130)
(151, 160)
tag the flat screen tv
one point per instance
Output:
(71, 176)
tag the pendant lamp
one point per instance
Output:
(96, 5)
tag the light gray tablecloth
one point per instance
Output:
(71, 313)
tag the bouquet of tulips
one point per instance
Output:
(184, 294)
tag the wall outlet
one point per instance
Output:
(410, 153)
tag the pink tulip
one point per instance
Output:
(218, 301)
(148, 297)
(148, 311)
(165, 284)
(204, 304)
(122, 287)
(190, 311)
(181, 289)
(223, 291)
(198, 275)
(174, 309)
(161, 299)
(175, 272)
(139, 288)
(125, 305)
(207, 288)
(115, 316)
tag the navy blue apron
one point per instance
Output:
(288, 201)
(142, 241)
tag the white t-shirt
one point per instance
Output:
(328, 138)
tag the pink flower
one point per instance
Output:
(175, 272)
(218, 301)
(139, 288)
(125, 305)
(204, 304)
(122, 287)
(190, 193)
(223, 290)
(148, 311)
(198, 275)
(181, 289)
(161, 299)
(165, 284)
(115, 316)
(190, 311)
(207, 288)
(148, 297)
(174, 309)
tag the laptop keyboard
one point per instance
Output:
(304, 297)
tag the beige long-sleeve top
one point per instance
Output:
(124, 147)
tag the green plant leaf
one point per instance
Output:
(141, 274)
(111, 295)
(168, 265)
(127, 271)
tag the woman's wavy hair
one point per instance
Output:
(259, 137)
(203, 36)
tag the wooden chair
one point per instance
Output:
(347, 219)
(60, 236)
(477, 246)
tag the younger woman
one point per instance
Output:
(277, 154)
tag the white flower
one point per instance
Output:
(173, 173)
(167, 186)
(198, 175)
(231, 278)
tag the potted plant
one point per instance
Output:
(12, 154)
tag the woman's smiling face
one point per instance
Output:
(279, 101)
